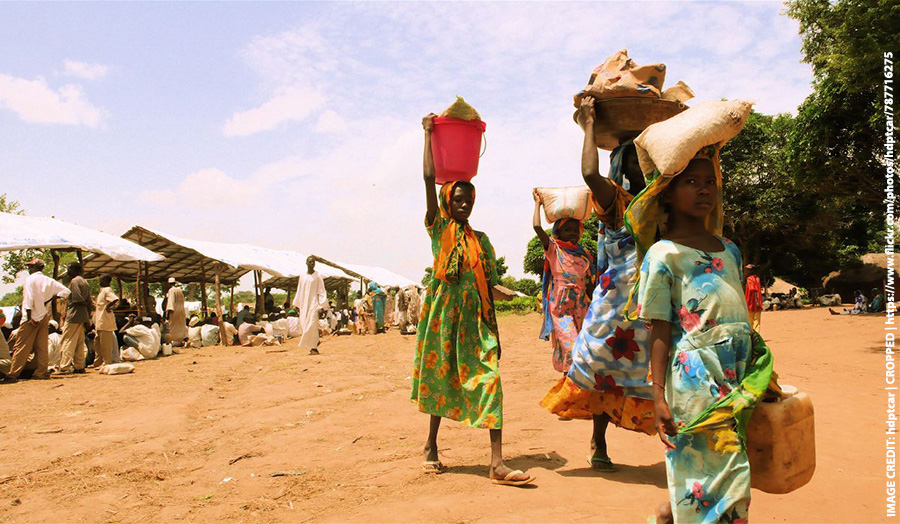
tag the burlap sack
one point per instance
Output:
(668, 146)
(565, 202)
(619, 76)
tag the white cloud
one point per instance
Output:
(85, 70)
(35, 101)
(330, 122)
(351, 189)
(288, 104)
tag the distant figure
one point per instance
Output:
(293, 324)
(310, 298)
(858, 307)
(753, 296)
(32, 334)
(877, 304)
(241, 316)
(78, 321)
(175, 315)
(105, 322)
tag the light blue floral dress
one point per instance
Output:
(700, 294)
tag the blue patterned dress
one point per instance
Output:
(700, 294)
(610, 357)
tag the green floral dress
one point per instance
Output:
(456, 371)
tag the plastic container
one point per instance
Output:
(781, 443)
(456, 148)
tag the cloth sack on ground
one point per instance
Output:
(565, 202)
(209, 335)
(195, 337)
(147, 339)
(668, 146)
(461, 109)
(131, 354)
(166, 350)
(117, 369)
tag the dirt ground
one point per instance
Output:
(197, 437)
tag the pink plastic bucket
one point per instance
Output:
(456, 148)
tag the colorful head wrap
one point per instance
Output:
(617, 165)
(547, 287)
(646, 218)
(375, 288)
(460, 247)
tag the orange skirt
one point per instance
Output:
(567, 400)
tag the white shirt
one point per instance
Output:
(37, 290)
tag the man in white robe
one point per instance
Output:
(175, 315)
(310, 299)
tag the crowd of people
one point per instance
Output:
(666, 297)
(104, 329)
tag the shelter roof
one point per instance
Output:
(29, 232)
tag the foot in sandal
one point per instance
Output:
(433, 467)
(504, 476)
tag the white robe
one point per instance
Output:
(311, 297)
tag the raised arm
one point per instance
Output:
(431, 200)
(536, 221)
(604, 191)
(660, 338)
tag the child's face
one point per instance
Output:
(569, 232)
(694, 193)
(461, 203)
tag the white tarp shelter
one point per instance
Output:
(26, 232)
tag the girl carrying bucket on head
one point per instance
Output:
(709, 367)
(566, 287)
(456, 371)
(610, 357)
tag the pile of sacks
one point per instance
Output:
(620, 77)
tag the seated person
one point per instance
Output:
(266, 325)
(877, 304)
(293, 321)
(195, 336)
(858, 307)
(227, 332)
(280, 326)
(142, 334)
(54, 351)
(252, 334)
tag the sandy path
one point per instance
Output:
(156, 445)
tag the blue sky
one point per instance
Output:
(297, 125)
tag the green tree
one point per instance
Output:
(12, 299)
(534, 253)
(502, 268)
(523, 285)
(836, 148)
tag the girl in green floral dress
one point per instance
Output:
(456, 370)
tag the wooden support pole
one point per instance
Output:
(137, 287)
(218, 292)
(203, 310)
(231, 305)
(149, 302)
(80, 256)
(119, 282)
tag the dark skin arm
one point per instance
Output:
(431, 199)
(603, 190)
(660, 340)
(536, 222)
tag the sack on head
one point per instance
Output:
(566, 202)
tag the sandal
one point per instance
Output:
(601, 464)
(433, 467)
(508, 479)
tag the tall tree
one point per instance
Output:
(836, 147)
